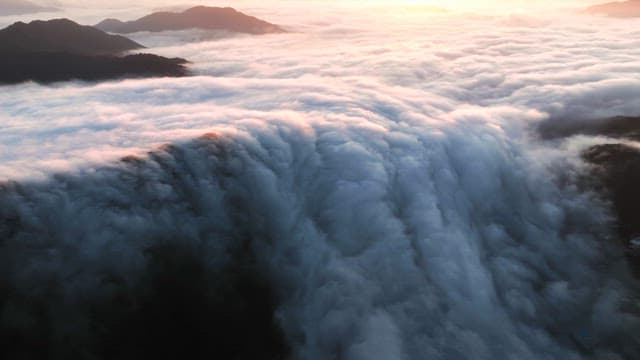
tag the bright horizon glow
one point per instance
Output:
(446, 4)
(283, 11)
(499, 5)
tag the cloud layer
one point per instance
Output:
(380, 171)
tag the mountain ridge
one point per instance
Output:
(198, 17)
(54, 67)
(62, 35)
(62, 50)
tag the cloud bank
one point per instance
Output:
(379, 174)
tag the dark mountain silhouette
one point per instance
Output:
(20, 7)
(51, 67)
(62, 35)
(615, 170)
(60, 50)
(200, 17)
(616, 174)
(616, 127)
(621, 9)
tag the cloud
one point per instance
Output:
(379, 174)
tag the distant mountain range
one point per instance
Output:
(59, 50)
(62, 35)
(199, 17)
(617, 170)
(621, 9)
(615, 127)
(52, 67)
(20, 7)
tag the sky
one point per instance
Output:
(459, 5)
(91, 12)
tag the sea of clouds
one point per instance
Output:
(381, 169)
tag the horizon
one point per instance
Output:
(496, 7)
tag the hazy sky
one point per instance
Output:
(92, 11)
(440, 3)
(456, 4)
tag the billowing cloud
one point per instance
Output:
(379, 172)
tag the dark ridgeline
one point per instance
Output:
(199, 17)
(60, 50)
(616, 127)
(58, 66)
(62, 35)
(615, 172)
(621, 9)
(617, 175)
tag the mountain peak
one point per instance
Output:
(61, 35)
(202, 8)
(60, 50)
(198, 17)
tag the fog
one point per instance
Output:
(380, 170)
